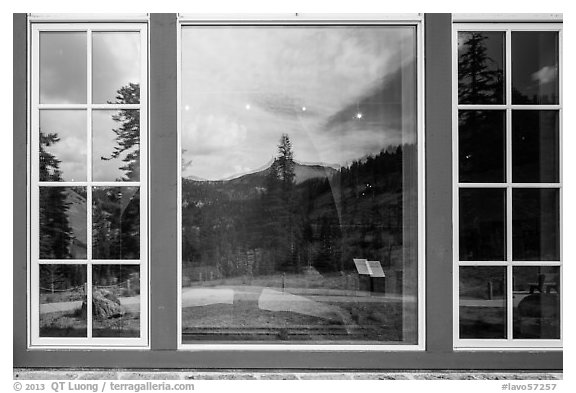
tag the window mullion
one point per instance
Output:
(89, 188)
(509, 278)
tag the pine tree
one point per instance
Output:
(478, 81)
(283, 207)
(55, 232)
(285, 164)
(128, 133)
(116, 210)
(49, 164)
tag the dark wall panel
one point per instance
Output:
(438, 131)
(163, 236)
(163, 181)
(20, 218)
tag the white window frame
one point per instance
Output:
(416, 20)
(34, 341)
(509, 343)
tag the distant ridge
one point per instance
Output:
(195, 178)
(302, 173)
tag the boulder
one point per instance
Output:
(105, 305)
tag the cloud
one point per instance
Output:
(63, 70)
(70, 125)
(116, 58)
(243, 87)
(103, 145)
(212, 134)
(546, 74)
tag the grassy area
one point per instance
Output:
(60, 297)
(245, 322)
(126, 326)
(314, 280)
(359, 321)
(62, 324)
(482, 322)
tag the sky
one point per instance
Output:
(340, 93)
(63, 80)
(63, 70)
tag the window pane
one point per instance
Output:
(536, 224)
(482, 146)
(62, 145)
(116, 67)
(482, 224)
(116, 223)
(115, 301)
(299, 156)
(116, 145)
(535, 67)
(63, 68)
(535, 146)
(482, 302)
(536, 302)
(63, 222)
(62, 301)
(481, 67)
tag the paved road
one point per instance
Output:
(274, 299)
(491, 303)
(131, 303)
(271, 299)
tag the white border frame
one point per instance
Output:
(34, 107)
(416, 20)
(502, 18)
(509, 343)
(87, 18)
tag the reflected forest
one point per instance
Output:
(278, 246)
(115, 235)
(293, 217)
(115, 222)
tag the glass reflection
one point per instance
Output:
(536, 302)
(482, 302)
(482, 224)
(482, 146)
(116, 145)
(63, 68)
(63, 301)
(481, 67)
(115, 63)
(536, 224)
(63, 222)
(115, 301)
(535, 67)
(299, 157)
(116, 222)
(535, 146)
(62, 147)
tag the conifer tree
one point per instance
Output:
(128, 132)
(479, 81)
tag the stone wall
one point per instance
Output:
(94, 374)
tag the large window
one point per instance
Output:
(88, 182)
(508, 185)
(299, 184)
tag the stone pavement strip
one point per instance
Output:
(152, 374)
